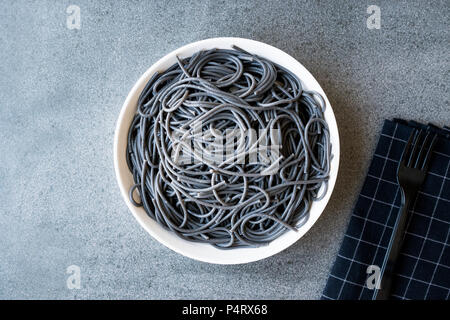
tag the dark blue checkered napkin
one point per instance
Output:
(423, 268)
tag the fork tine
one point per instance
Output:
(423, 150)
(416, 149)
(426, 161)
(406, 151)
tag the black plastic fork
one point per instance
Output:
(411, 174)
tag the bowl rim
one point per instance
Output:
(197, 250)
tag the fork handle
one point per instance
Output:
(393, 251)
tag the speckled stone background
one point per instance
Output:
(61, 91)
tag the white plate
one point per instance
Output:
(206, 252)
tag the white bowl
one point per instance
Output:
(206, 252)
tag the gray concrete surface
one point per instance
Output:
(61, 91)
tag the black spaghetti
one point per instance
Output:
(248, 193)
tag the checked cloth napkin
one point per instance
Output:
(423, 267)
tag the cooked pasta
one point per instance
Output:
(228, 148)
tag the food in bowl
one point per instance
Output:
(228, 148)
